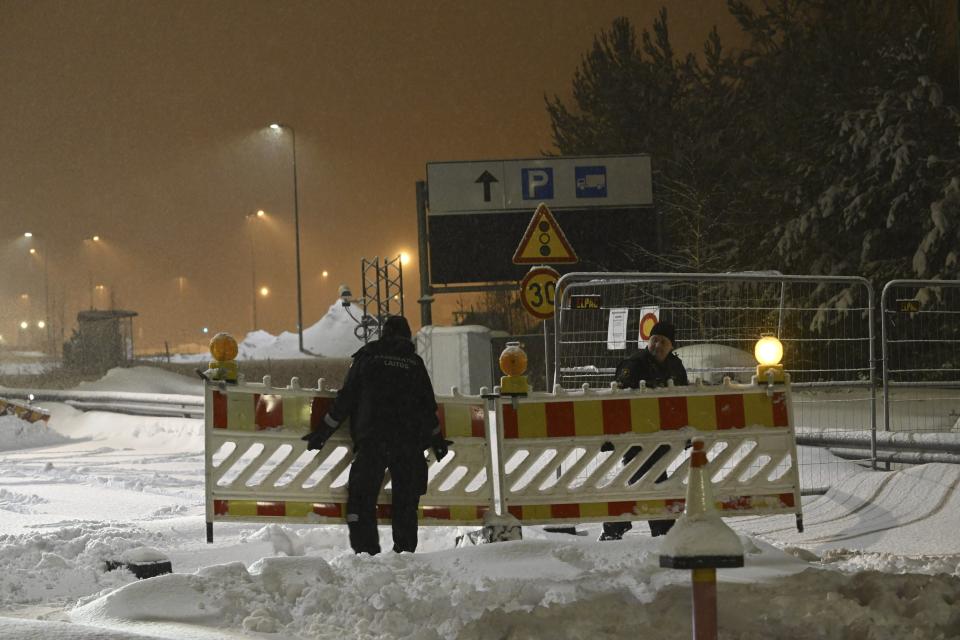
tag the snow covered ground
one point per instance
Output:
(332, 337)
(879, 558)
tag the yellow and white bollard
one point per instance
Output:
(702, 542)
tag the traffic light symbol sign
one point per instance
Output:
(544, 241)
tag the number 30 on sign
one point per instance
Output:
(537, 291)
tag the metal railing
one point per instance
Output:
(145, 404)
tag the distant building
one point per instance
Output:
(103, 340)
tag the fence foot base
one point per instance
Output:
(495, 529)
(209, 533)
(501, 528)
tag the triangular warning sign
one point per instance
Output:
(544, 242)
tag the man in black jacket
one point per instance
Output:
(393, 417)
(657, 366)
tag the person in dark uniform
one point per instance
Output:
(656, 365)
(393, 418)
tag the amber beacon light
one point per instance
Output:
(769, 352)
(223, 349)
(513, 363)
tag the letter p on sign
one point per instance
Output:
(537, 183)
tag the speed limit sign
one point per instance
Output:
(537, 291)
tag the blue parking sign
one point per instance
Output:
(537, 183)
(591, 181)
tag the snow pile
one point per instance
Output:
(20, 434)
(144, 379)
(139, 432)
(64, 563)
(530, 589)
(18, 502)
(851, 561)
(332, 337)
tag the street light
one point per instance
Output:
(276, 126)
(93, 240)
(251, 218)
(46, 287)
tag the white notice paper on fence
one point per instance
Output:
(617, 329)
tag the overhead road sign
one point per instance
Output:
(480, 247)
(544, 242)
(471, 214)
(561, 182)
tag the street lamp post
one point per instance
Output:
(251, 218)
(296, 225)
(45, 256)
(92, 240)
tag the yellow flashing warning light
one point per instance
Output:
(513, 362)
(223, 348)
(769, 352)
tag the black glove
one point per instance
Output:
(440, 447)
(316, 439)
(607, 446)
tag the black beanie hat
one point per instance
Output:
(396, 326)
(664, 329)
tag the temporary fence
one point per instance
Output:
(258, 469)
(566, 456)
(921, 370)
(824, 323)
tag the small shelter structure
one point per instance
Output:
(103, 340)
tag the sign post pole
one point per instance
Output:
(426, 294)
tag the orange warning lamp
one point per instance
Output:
(513, 362)
(769, 352)
(223, 348)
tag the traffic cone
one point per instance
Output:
(702, 542)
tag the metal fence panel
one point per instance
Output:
(824, 323)
(921, 356)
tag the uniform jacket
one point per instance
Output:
(643, 366)
(387, 396)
